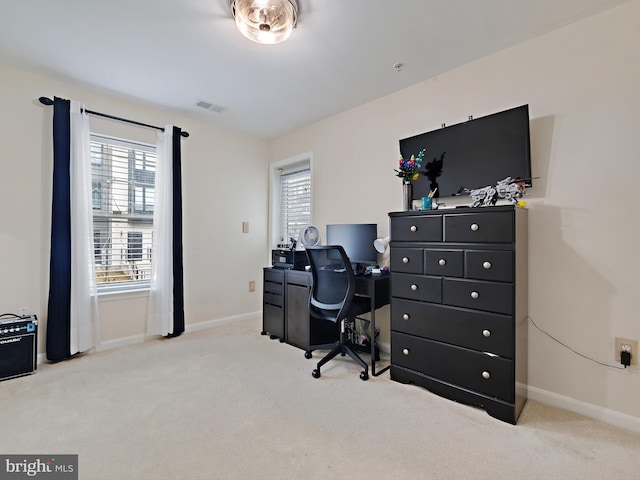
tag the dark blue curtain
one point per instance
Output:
(178, 281)
(59, 308)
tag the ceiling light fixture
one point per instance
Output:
(265, 21)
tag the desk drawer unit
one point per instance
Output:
(459, 305)
(273, 303)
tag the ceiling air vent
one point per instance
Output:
(211, 106)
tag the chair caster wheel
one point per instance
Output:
(307, 355)
(315, 373)
(364, 376)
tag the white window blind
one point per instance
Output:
(295, 203)
(123, 189)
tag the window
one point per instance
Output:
(122, 199)
(295, 203)
(291, 199)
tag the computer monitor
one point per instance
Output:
(356, 239)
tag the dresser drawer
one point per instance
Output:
(487, 296)
(416, 287)
(489, 265)
(407, 260)
(482, 227)
(487, 374)
(426, 228)
(487, 332)
(446, 263)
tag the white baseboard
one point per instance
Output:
(602, 414)
(135, 339)
(221, 321)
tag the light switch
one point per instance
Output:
(245, 227)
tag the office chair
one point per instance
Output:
(333, 298)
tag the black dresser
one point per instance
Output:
(459, 305)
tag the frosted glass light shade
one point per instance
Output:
(265, 21)
(381, 244)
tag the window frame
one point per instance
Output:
(277, 169)
(140, 220)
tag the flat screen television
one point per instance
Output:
(473, 154)
(356, 239)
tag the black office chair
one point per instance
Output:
(333, 298)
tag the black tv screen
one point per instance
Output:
(473, 154)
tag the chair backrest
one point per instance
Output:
(334, 282)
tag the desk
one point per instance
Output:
(285, 315)
(376, 287)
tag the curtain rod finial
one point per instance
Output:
(46, 101)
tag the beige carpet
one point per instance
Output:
(228, 403)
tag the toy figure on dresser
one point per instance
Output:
(508, 188)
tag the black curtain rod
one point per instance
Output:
(48, 101)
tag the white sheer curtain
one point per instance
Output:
(160, 317)
(84, 296)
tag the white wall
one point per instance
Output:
(225, 182)
(581, 84)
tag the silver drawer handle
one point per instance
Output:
(474, 227)
(413, 228)
(442, 262)
(486, 333)
(414, 287)
(487, 265)
(405, 351)
(405, 259)
(405, 316)
(475, 295)
(486, 375)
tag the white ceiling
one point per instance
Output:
(175, 53)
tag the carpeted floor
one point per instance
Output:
(229, 403)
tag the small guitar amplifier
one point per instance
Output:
(18, 345)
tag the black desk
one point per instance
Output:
(376, 287)
(285, 314)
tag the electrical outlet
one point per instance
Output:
(252, 285)
(245, 227)
(627, 345)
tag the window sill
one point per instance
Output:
(133, 292)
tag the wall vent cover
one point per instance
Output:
(211, 106)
